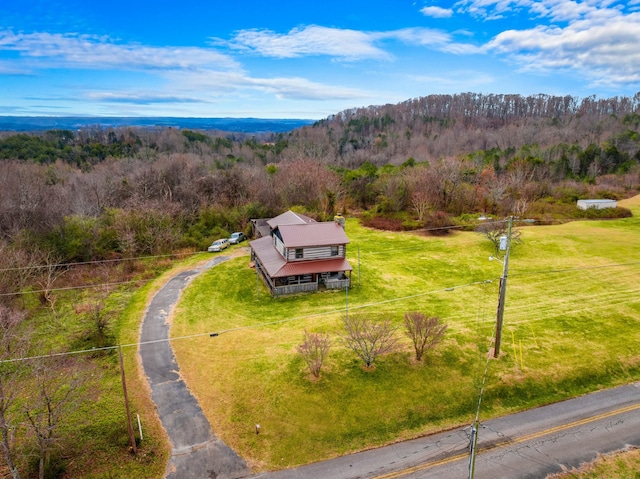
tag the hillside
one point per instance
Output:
(443, 126)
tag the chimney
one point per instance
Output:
(340, 220)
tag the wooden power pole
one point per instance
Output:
(126, 401)
(503, 292)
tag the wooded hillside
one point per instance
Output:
(97, 192)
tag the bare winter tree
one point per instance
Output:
(56, 386)
(13, 347)
(314, 350)
(420, 204)
(50, 273)
(19, 269)
(494, 230)
(369, 339)
(426, 332)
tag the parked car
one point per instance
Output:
(237, 237)
(218, 245)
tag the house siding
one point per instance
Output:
(279, 245)
(320, 252)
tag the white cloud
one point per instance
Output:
(140, 97)
(602, 45)
(348, 45)
(92, 52)
(434, 39)
(555, 10)
(219, 84)
(436, 12)
(310, 40)
(8, 68)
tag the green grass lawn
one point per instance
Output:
(571, 325)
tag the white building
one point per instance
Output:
(597, 204)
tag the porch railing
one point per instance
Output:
(294, 288)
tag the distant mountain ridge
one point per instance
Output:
(232, 125)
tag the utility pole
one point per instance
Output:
(473, 444)
(503, 292)
(132, 437)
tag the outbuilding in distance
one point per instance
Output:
(597, 204)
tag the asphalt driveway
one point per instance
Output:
(196, 451)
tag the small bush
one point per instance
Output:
(438, 223)
(606, 213)
(382, 223)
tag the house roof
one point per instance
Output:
(289, 218)
(260, 227)
(272, 261)
(313, 234)
(315, 266)
(276, 266)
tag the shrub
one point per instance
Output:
(438, 223)
(383, 223)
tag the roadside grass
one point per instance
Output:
(93, 436)
(572, 325)
(625, 464)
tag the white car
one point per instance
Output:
(218, 245)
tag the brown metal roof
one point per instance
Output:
(276, 266)
(271, 260)
(316, 266)
(314, 234)
(289, 218)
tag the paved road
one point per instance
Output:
(530, 444)
(196, 451)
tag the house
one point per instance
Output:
(597, 204)
(299, 254)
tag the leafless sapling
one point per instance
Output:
(14, 340)
(425, 332)
(314, 350)
(369, 339)
(56, 387)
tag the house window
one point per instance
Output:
(334, 251)
(298, 253)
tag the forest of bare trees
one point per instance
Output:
(131, 191)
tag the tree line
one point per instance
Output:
(100, 192)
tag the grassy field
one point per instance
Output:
(571, 325)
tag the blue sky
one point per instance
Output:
(304, 59)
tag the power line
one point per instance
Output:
(102, 261)
(135, 258)
(240, 328)
(581, 268)
(68, 288)
(517, 273)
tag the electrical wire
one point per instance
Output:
(102, 261)
(69, 288)
(241, 328)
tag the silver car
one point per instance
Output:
(237, 237)
(218, 245)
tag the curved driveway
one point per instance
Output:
(196, 451)
(532, 443)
